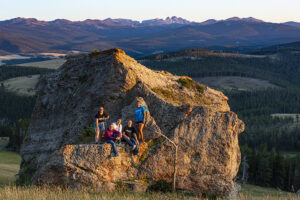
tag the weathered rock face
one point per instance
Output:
(197, 118)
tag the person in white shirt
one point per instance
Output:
(118, 127)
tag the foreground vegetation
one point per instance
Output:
(9, 167)
(20, 193)
(268, 139)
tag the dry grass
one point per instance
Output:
(9, 167)
(49, 64)
(249, 192)
(21, 193)
(187, 91)
(24, 85)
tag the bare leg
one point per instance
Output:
(97, 136)
(140, 129)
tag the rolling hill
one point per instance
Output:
(28, 35)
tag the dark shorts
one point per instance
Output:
(139, 122)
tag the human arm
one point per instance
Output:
(124, 135)
(109, 135)
(117, 135)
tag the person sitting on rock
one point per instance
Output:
(140, 114)
(112, 135)
(118, 127)
(129, 135)
(99, 125)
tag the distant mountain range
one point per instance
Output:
(29, 35)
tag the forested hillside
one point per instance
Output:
(270, 145)
(15, 109)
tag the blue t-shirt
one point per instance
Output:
(139, 114)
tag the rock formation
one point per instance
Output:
(195, 117)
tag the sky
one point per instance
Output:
(193, 10)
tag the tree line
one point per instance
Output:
(262, 167)
(7, 72)
(282, 69)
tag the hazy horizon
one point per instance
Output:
(140, 21)
(75, 10)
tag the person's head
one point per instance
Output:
(119, 121)
(139, 103)
(129, 123)
(111, 126)
(101, 109)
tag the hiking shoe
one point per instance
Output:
(133, 147)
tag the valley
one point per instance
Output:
(139, 39)
(249, 80)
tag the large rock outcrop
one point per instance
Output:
(197, 118)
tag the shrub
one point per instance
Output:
(25, 175)
(191, 84)
(87, 135)
(95, 52)
(165, 93)
(162, 186)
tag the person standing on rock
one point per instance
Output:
(129, 135)
(140, 115)
(112, 135)
(99, 125)
(118, 127)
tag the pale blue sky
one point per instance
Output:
(194, 10)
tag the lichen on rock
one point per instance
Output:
(196, 118)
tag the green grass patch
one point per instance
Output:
(191, 84)
(9, 167)
(169, 95)
(256, 192)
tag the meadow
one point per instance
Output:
(48, 64)
(23, 85)
(9, 166)
(235, 82)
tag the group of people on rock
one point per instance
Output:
(115, 132)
